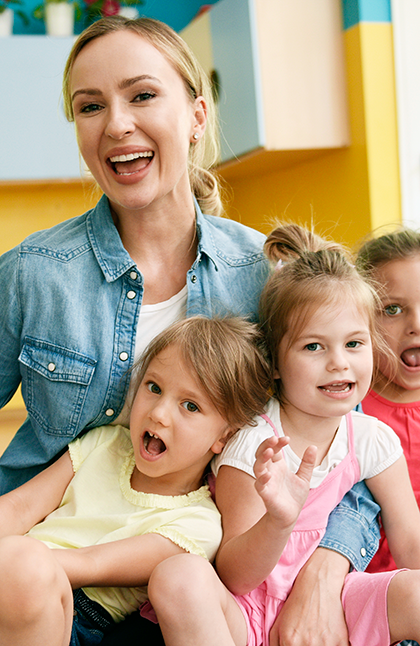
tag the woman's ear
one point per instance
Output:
(199, 118)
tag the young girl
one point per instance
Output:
(393, 261)
(319, 319)
(119, 502)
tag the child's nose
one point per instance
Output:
(160, 413)
(413, 322)
(337, 361)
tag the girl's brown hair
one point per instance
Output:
(226, 355)
(311, 272)
(204, 153)
(400, 244)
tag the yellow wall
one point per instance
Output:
(25, 208)
(345, 192)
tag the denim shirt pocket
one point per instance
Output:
(55, 382)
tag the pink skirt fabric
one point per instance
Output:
(364, 601)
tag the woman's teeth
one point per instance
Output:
(130, 157)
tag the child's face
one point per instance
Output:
(401, 322)
(327, 370)
(175, 428)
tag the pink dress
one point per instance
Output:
(364, 595)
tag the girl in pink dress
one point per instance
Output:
(277, 482)
(393, 260)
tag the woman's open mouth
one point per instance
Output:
(131, 163)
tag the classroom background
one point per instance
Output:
(319, 104)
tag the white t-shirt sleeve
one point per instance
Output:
(240, 450)
(377, 445)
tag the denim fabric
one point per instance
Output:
(90, 622)
(70, 299)
(357, 509)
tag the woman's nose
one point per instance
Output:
(120, 122)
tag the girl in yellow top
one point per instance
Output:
(120, 501)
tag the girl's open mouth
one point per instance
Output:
(411, 357)
(131, 163)
(342, 387)
(153, 444)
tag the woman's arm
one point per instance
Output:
(259, 514)
(30, 503)
(313, 613)
(400, 513)
(127, 562)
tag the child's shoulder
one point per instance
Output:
(102, 438)
(240, 450)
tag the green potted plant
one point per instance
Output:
(7, 10)
(58, 15)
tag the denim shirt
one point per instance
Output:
(70, 299)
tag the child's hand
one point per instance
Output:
(283, 492)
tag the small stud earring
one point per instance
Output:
(195, 136)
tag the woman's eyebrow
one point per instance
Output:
(126, 83)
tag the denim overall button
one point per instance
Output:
(51, 366)
(109, 412)
(133, 275)
(363, 552)
(131, 294)
(123, 356)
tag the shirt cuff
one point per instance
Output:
(353, 527)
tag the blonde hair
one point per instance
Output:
(204, 154)
(227, 356)
(311, 272)
(400, 244)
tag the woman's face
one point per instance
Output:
(134, 121)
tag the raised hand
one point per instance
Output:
(284, 493)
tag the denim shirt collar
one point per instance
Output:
(113, 258)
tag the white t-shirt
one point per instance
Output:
(153, 319)
(376, 446)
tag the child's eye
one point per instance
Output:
(312, 347)
(353, 344)
(392, 310)
(190, 407)
(154, 388)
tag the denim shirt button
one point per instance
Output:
(131, 295)
(109, 412)
(363, 552)
(51, 366)
(133, 275)
(193, 278)
(123, 356)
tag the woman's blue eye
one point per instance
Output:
(392, 310)
(144, 96)
(190, 407)
(154, 388)
(312, 347)
(92, 107)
